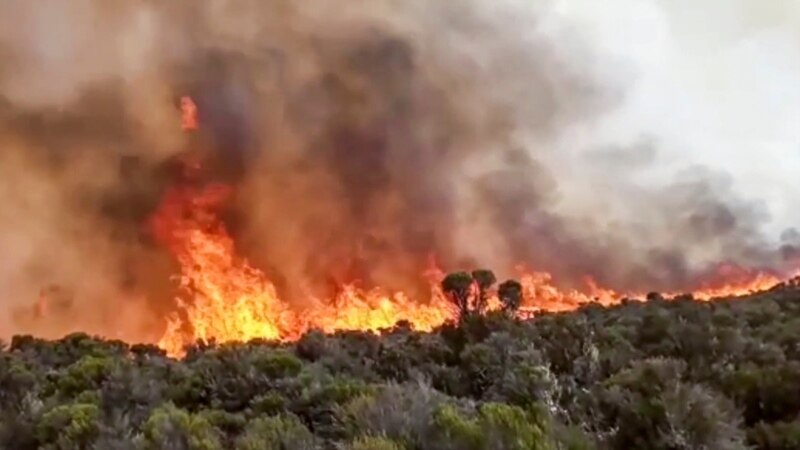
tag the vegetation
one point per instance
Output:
(663, 374)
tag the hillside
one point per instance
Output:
(660, 374)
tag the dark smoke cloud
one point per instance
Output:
(790, 245)
(362, 138)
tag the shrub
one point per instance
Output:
(648, 406)
(284, 432)
(68, 427)
(496, 427)
(403, 413)
(88, 373)
(506, 427)
(775, 436)
(374, 443)
(276, 364)
(171, 428)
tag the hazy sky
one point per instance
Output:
(715, 83)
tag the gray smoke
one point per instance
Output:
(363, 137)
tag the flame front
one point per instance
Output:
(730, 281)
(224, 298)
(228, 299)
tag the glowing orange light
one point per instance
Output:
(225, 298)
(188, 114)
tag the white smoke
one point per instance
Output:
(713, 83)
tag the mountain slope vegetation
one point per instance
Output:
(661, 374)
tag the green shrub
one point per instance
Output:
(506, 427)
(402, 412)
(268, 404)
(374, 443)
(455, 431)
(171, 428)
(68, 427)
(284, 432)
(775, 436)
(648, 406)
(276, 364)
(87, 373)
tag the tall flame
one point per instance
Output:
(224, 298)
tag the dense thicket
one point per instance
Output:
(657, 375)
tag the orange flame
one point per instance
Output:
(225, 298)
(730, 280)
(188, 114)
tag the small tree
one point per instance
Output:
(510, 293)
(484, 279)
(458, 288)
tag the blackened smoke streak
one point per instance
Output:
(362, 138)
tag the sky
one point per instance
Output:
(713, 83)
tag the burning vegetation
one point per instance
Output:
(328, 170)
(654, 375)
(223, 297)
(268, 224)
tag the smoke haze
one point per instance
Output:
(632, 141)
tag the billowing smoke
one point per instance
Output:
(363, 138)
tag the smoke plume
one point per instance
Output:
(363, 138)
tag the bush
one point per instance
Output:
(496, 427)
(649, 406)
(374, 443)
(506, 427)
(68, 427)
(403, 413)
(283, 432)
(775, 436)
(171, 428)
(669, 374)
(88, 373)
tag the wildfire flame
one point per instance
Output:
(188, 114)
(225, 298)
